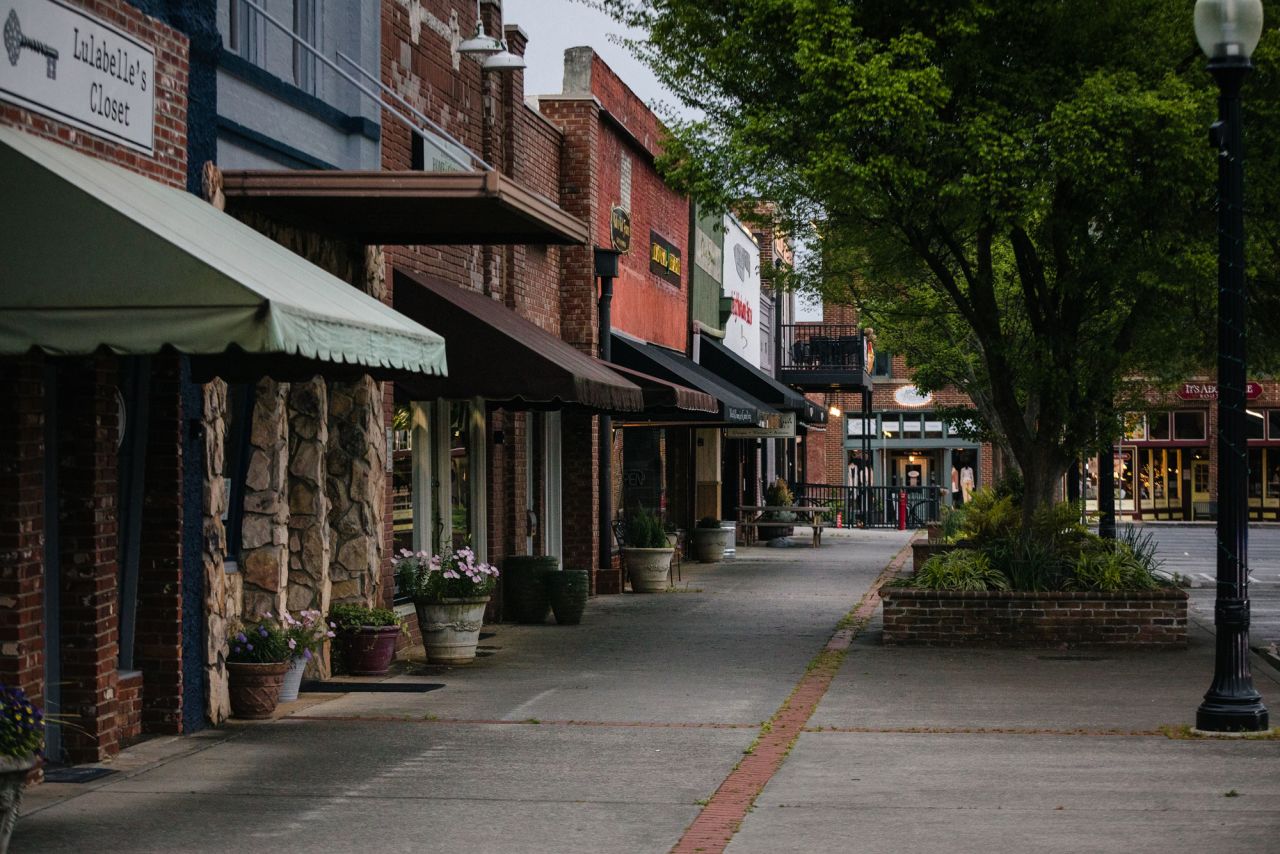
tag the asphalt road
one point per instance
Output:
(1190, 550)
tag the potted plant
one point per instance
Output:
(449, 593)
(367, 637)
(305, 636)
(647, 554)
(256, 666)
(21, 740)
(709, 540)
(779, 495)
(524, 587)
(568, 591)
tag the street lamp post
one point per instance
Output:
(1228, 31)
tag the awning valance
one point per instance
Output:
(746, 376)
(498, 355)
(406, 207)
(734, 406)
(97, 257)
(663, 396)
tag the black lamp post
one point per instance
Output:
(1228, 31)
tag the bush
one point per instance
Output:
(348, 617)
(952, 523)
(1111, 569)
(1031, 565)
(644, 531)
(958, 569)
(264, 642)
(989, 516)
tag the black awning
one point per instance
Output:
(746, 376)
(736, 407)
(496, 354)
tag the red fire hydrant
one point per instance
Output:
(902, 510)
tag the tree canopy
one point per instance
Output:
(1017, 194)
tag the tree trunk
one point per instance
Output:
(1042, 469)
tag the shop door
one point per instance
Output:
(1126, 470)
(1200, 489)
(913, 470)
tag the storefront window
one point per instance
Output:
(932, 429)
(1271, 457)
(402, 477)
(1256, 472)
(1274, 427)
(1188, 425)
(1158, 426)
(460, 459)
(911, 426)
(1135, 426)
(1254, 424)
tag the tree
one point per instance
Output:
(1017, 194)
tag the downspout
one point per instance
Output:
(606, 269)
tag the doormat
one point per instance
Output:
(68, 774)
(369, 687)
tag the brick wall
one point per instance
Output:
(22, 457)
(169, 163)
(129, 707)
(1018, 619)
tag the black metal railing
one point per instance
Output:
(823, 353)
(875, 506)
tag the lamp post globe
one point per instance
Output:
(1228, 31)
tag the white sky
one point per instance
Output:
(554, 25)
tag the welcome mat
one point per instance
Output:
(69, 774)
(370, 687)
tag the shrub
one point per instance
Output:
(1031, 565)
(989, 516)
(709, 522)
(21, 724)
(644, 531)
(1110, 569)
(263, 642)
(349, 616)
(952, 523)
(959, 569)
(433, 578)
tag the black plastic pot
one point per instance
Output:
(567, 591)
(524, 592)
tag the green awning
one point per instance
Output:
(94, 256)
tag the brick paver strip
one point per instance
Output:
(719, 820)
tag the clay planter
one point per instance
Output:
(255, 688)
(709, 544)
(567, 591)
(369, 649)
(451, 628)
(524, 590)
(13, 775)
(649, 569)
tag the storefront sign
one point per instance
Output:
(781, 426)
(739, 414)
(707, 253)
(75, 68)
(740, 292)
(1209, 391)
(664, 259)
(620, 229)
(909, 395)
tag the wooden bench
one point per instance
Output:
(750, 521)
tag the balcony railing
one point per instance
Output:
(822, 356)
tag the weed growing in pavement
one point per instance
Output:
(1231, 793)
(1185, 732)
(532, 721)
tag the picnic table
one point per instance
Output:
(751, 520)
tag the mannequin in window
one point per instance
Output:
(956, 496)
(966, 482)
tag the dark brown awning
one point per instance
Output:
(660, 395)
(405, 208)
(496, 354)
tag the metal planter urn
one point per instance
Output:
(709, 543)
(568, 592)
(451, 628)
(649, 569)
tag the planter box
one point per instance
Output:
(922, 550)
(994, 618)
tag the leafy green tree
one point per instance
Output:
(1017, 194)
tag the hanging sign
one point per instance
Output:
(75, 68)
(664, 259)
(780, 426)
(1209, 391)
(620, 229)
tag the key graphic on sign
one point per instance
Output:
(15, 41)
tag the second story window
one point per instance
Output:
(883, 365)
(306, 25)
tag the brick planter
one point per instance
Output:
(1146, 619)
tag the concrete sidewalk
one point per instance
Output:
(613, 735)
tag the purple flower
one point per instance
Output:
(240, 637)
(306, 653)
(262, 630)
(250, 646)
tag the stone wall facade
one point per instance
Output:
(995, 618)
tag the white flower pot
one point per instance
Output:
(649, 569)
(451, 629)
(292, 680)
(13, 773)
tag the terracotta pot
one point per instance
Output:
(255, 688)
(13, 775)
(451, 629)
(369, 650)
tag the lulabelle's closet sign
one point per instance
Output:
(77, 69)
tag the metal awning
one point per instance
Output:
(406, 208)
(733, 368)
(734, 406)
(496, 354)
(95, 256)
(663, 396)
